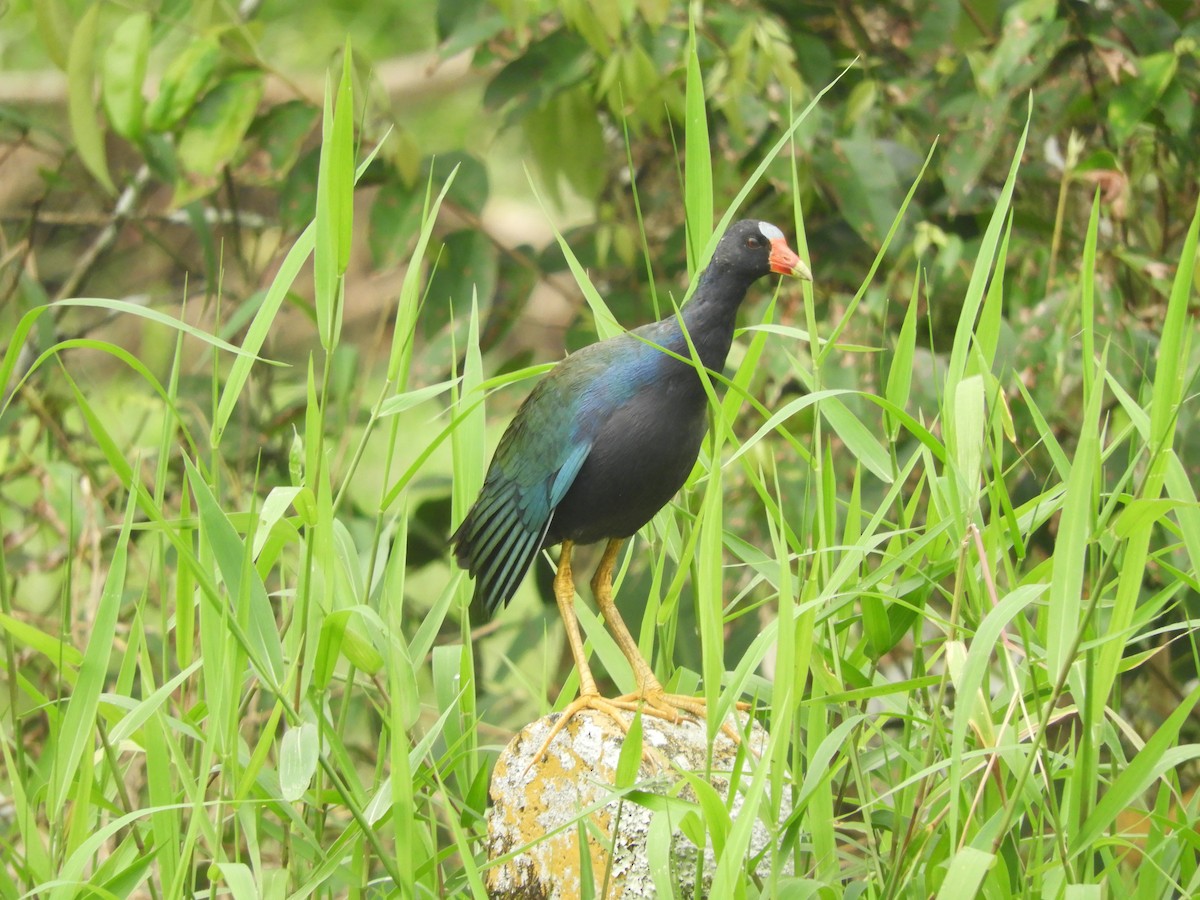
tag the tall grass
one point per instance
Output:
(252, 695)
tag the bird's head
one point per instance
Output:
(758, 248)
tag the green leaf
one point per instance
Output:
(449, 690)
(466, 24)
(342, 164)
(1167, 395)
(465, 177)
(279, 137)
(709, 587)
(256, 334)
(970, 421)
(567, 141)
(81, 103)
(215, 129)
(554, 63)
(1143, 513)
(1087, 297)
(606, 323)
(849, 312)
(238, 878)
(989, 326)
(409, 399)
(124, 72)
(968, 683)
(467, 265)
(339, 639)
(1028, 40)
(1135, 97)
(298, 754)
(586, 877)
(278, 501)
(981, 272)
(966, 160)
(630, 758)
(654, 12)
(716, 820)
(53, 19)
(862, 173)
(1178, 326)
(52, 648)
(148, 706)
(824, 763)
(968, 868)
(151, 315)
(467, 444)
(876, 625)
(186, 77)
(394, 219)
(862, 443)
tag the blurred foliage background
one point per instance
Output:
(166, 153)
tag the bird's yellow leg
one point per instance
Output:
(564, 593)
(602, 591)
(650, 696)
(589, 697)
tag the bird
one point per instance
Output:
(603, 442)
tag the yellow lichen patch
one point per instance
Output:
(541, 807)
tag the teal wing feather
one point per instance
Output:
(540, 455)
(535, 464)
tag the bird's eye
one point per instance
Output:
(753, 243)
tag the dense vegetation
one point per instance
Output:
(945, 532)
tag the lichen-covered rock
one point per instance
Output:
(537, 809)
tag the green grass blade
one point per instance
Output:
(257, 333)
(868, 280)
(408, 304)
(752, 181)
(77, 727)
(698, 180)
(899, 379)
(1166, 397)
(956, 368)
(710, 597)
(1159, 756)
(987, 329)
(860, 440)
(969, 681)
(335, 207)
(1087, 296)
(968, 868)
(1064, 609)
(230, 554)
(606, 323)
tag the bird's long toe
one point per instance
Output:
(658, 703)
(611, 708)
(663, 705)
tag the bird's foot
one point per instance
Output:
(590, 700)
(657, 702)
(651, 702)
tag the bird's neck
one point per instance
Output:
(711, 314)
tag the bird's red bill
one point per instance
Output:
(784, 261)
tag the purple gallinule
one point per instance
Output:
(600, 445)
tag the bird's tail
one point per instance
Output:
(496, 547)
